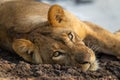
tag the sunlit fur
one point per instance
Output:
(35, 31)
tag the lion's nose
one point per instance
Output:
(83, 58)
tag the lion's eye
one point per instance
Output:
(57, 53)
(70, 35)
(58, 56)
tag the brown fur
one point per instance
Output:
(43, 34)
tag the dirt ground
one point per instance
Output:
(12, 67)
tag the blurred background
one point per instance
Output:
(105, 13)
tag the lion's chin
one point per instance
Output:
(90, 67)
(94, 66)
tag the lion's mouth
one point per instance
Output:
(87, 66)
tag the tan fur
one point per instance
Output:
(117, 34)
(41, 33)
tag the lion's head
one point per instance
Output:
(56, 43)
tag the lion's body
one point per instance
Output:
(22, 21)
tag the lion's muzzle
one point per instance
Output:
(86, 60)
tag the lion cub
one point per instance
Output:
(41, 33)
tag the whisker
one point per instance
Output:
(88, 44)
(93, 47)
(97, 49)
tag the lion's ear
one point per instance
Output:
(56, 16)
(27, 50)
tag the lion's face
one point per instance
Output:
(64, 48)
(56, 44)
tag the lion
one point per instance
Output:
(45, 34)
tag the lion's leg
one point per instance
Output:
(106, 41)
